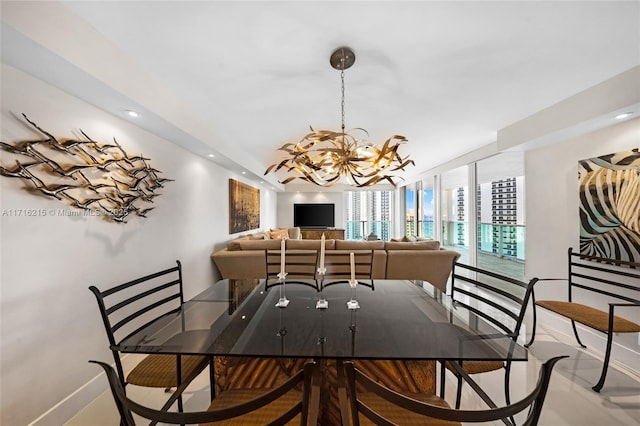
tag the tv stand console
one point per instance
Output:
(316, 234)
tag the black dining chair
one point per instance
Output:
(129, 307)
(496, 299)
(278, 406)
(338, 267)
(300, 266)
(372, 402)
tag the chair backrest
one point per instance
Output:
(534, 400)
(299, 265)
(129, 307)
(307, 407)
(498, 299)
(338, 265)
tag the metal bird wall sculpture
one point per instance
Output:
(87, 175)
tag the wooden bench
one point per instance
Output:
(618, 280)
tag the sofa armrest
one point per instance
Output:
(433, 266)
(240, 264)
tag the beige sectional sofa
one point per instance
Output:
(419, 260)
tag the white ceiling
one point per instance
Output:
(239, 79)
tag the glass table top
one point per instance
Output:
(397, 319)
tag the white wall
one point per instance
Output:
(552, 223)
(49, 319)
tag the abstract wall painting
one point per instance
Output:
(244, 207)
(610, 206)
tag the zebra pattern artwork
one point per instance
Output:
(610, 206)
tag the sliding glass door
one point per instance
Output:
(500, 213)
(455, 210)
(427, 214)
(477, 210)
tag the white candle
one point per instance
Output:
(353, 267)
(282, 256)
(322, 252)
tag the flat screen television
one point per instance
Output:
(314, 215)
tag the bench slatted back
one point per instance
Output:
(484, 292)
(584, 273)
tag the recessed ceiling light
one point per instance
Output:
(623, 115)
(244, 173)
(132, 114)
(211, 155)
(261, 182)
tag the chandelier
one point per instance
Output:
(323, 157)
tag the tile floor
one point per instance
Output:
(570, 400)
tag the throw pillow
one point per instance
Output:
(279, 234)
(294, 233)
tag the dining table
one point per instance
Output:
(399, 330)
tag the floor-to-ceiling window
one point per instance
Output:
(369, 215)
(455, 211)
(411, 210)
(500, 214)
(486, 225)
(427, 214)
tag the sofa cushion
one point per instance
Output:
(278, 234)
(359, 245)
(234, 245)
(259, 236)
(259, 244)
(309, 244)
(415, 245)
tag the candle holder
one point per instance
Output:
(322, 303)
(283, 302)
(353, 303)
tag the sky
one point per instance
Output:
(427, 203)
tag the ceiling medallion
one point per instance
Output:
(323, 157)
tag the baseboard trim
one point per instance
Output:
(64, 410)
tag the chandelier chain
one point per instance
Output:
(342, 93)
(324, 157)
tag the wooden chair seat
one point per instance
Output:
(400, 415)
(425, 411)
(296, 399)
(478, 367)
(261, 416)
(591, 317)
(159, 371)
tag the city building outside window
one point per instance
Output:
(369, 215)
